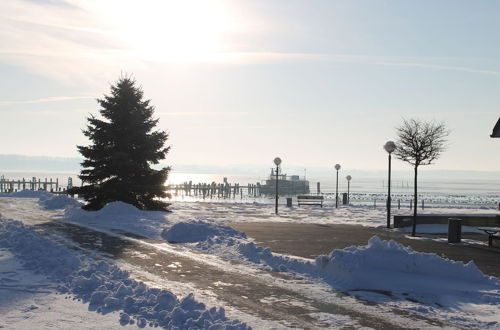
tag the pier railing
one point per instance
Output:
(52, 185)
(214, 190)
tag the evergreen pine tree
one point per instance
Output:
(117, 163)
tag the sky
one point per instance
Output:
(238, 83)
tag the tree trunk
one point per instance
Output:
(415, 198)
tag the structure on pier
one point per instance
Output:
(287, 185)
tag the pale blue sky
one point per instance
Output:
(240, 82)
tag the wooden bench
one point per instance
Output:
(310, 200)
(491, 231)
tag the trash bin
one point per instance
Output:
(289, 201)
(344, 198)
(454, 230)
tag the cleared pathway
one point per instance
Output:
(265, 295)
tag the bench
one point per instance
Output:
(491, 231)
(310, 200)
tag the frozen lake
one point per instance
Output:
(369, 189)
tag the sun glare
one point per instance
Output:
(188, 30)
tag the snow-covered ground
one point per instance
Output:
(382, 271)
(30, 300)
(50, 269)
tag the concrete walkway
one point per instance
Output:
(265, 295)
(311, 240)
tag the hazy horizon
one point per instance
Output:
(24, 163)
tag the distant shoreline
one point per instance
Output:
(43, 164)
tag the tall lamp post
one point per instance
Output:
(337, 167)
(389, 146)
(348, 188)
(277, 162)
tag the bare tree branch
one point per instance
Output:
(420, 143)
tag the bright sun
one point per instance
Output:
(168, 30)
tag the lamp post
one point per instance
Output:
(389, 146)
(277, 162)
(337, 167)
(348, 188)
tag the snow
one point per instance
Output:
(195, 231)
(388, 265)
(364, 215)
(105, 287)
(55, 202)
(28, 194)
(381, 271)
(437, 285)
(121, 216)
(28, 299)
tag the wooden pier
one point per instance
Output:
(214, 190)
(52, 185)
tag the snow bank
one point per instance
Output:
(121, 216)
(54, 202)
(114, 209)
(47, 200)
(391, 266)
(195, 231)
(28, 194)
(107, 288)
(242, 249)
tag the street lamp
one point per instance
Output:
(348, 187)
(337, 167)
(277, 162)
(389, 146)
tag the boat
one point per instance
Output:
(287, 185)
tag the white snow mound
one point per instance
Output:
(391, 266)
(114, 209)
(54, 202)
(121, 216)
(196, 231)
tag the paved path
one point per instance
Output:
(311, 240)
(265, 295)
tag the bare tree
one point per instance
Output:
(420, 143)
